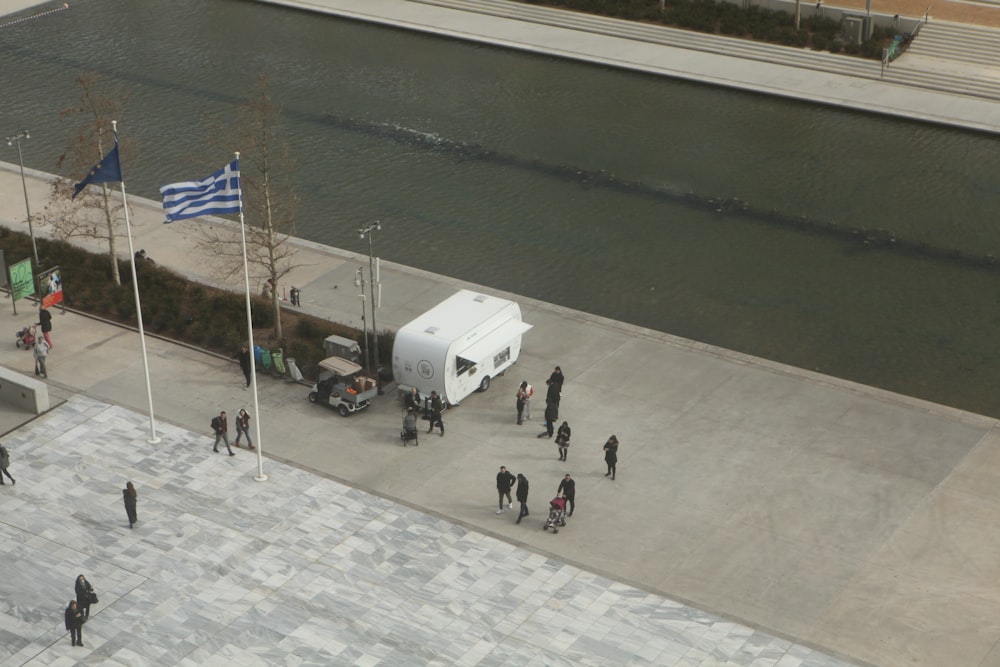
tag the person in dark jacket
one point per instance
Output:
(412, 400)
(45, 321)
(611, 456)
(221, 427)
(244, 356)
(436, 408)
(562, 440)
(557, 377)
(552, 398)
(131, 497)
(74, 623)
(505, 480)
(243, 428)
(83, 591)
(522, 496)
(520, 401)
(567, 487)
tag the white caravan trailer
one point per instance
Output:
(458, 346)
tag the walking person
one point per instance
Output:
(522, 496)
(74, 623)
(221, 428)
(131, 497)
(244, 356)
(4, 464)
(41, 354)
(45, 321)
(84, 595)
(505, 480)
(243, 428)
(521, 400)
(567, 487)
(557, 377)
(529, 391)
(611, 456)
(562, 440)
(436, 408)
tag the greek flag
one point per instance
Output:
(215, 195)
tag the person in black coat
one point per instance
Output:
(74, 623)
(567, 487)
(557, 377)
(504, 481)
(244, 356)
(412, 400)
(83, 591)
(45, 320)
(131, 497)
(611, 456)
(437, 406)
(552, 398)
(522, 496)
(562, 440)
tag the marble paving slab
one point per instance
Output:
(298, 570)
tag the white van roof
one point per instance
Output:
(458, 314)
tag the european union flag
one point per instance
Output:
(108, 170)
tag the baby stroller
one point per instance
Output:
(409, 432)
(25, 338)
(557, 514)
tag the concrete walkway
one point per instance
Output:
(838, 516)
(834, 80)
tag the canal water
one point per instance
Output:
(856, 245)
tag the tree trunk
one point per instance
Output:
(112, 244)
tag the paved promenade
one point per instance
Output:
(762, 515)
(838, 517)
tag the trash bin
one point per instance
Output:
(278, 360)
(293, 370)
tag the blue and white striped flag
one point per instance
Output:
(215, 195)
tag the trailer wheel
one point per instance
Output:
(342, 409)
(313, 397)
(485, 384)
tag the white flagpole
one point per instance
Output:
(260, 477)
(153, 439)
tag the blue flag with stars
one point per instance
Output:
(108, 170)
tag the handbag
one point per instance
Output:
(92, 596)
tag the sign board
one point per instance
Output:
(51, 286)
(22, 281)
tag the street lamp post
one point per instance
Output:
(23, 134)
(372, 280)
(359, 282)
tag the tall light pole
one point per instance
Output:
(359, 282)
(23, 134)
(372, 280)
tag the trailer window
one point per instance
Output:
(501, 357)
(462, 365)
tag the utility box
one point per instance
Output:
(345, 348)
(853, 29)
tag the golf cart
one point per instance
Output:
(341, 385)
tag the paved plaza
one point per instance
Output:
(298, 570)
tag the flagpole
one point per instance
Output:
(260, 476)
(153, 439)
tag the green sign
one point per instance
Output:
(22, 282)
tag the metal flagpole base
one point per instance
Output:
(260, 478)
(154, 441)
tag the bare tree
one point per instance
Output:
(93, 213)
(268, 200)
